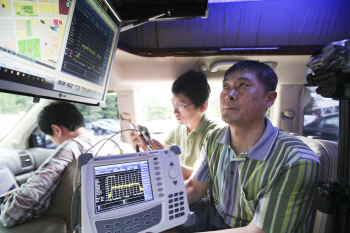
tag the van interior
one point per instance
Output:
(160, 40)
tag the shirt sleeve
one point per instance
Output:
(33, 198)
(201, 170)
(290, 202)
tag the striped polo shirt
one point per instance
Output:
(272, 184)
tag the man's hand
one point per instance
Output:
(137, 139)
(134, 138)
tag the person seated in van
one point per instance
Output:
(262, 178)
(191, 92)
(65, 126)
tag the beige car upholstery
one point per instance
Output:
(42, 224)
(56, 219)
(327, 152)
(60, 205)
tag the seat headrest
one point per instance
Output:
(327, 152)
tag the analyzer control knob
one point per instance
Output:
(173, 173)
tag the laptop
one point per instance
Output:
(8, 183)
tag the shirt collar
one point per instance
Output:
(262, 149)
(203, 124)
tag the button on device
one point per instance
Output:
(136, 219)
(176, 199)
(155, 158)
(128, 229)
(159, 183)
(137, 226)
(176, 204)
(156, 168)
(171, 211)
(160, 189)
(175, 182)
(171, 217)
(170, 195)
(173, 173)
(117, 231)
(153, 213)
(158, 178)
(107, 226)
(171, 164)
(171, 206)
(170, 200)
(127, 222)
(117, 224)
(161, 195)
(181, 193)
(157, 173)
(147, 222)
(179, 215)
(146, 216)
(156, 163)
(181, 198)
(154, 219)
(176, 194)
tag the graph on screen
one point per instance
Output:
(122, 185)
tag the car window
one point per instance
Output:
(103, 122)
(321, 117)
(12, 109)
(331, 123)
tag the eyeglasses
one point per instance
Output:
(179, 107)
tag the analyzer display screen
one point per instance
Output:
(121, 185)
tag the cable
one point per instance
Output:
(110, 138)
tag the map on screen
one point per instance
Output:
(40, 26)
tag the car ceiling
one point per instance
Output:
(268, 31)
(241, 27)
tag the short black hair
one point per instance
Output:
(193, 85)
(60, 113)
(264, 73)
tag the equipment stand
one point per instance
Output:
(336, 84)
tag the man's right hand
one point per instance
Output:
(137, 139)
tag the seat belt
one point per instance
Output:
(287, 119)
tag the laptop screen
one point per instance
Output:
(8, 183)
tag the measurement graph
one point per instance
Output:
(90, 49)
(120, 185)
(124, 186)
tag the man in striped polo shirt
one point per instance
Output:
(261, 178)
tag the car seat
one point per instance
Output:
(56, 219)
(327, 152)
